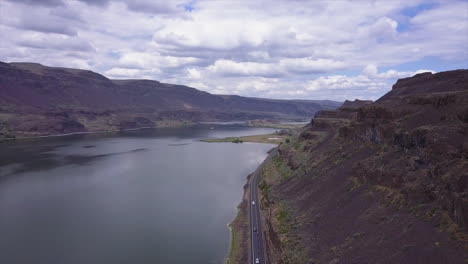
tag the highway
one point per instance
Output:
(255, 222)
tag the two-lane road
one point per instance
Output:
(255, 223)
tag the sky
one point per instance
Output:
(322, 49)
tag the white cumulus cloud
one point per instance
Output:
(278, 49)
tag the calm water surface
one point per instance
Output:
(152, 196)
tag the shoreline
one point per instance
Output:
(226, 258)
(241, 223)
(273, 138)
(282, 125)
(89, 132)
(239, 237)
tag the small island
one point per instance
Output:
(272, 123)
(274, 138)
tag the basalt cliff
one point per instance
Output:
(374, 182)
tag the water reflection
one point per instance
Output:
(152, 196)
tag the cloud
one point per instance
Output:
(140, 60)
(193, 74)
(55, 43)
(370, 80)
(58, 19)
(155, 7)
(383, 29)
(232, 68)
(280, 49)
(281, 67)
(120, 73)
(46, 24)
(144, 6)
(309, 65)
(370, 84)
(215, 30)
(66, 13)
(95, 2)
(39, 2)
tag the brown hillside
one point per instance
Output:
(39, 100)
(385, 182)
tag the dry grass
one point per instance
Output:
(392, 196)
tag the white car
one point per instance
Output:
(257, 260)
(253, 202)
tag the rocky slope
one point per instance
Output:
(382, 182)
(40, 100)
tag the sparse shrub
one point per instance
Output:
(297, 145)
(237, 141)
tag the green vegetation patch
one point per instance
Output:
(283, 169)
(239, 237)
(293, 251)
(274, 124)
(227, 139)
(283, 216)
(265, 187)
(267, 138)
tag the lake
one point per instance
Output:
(148, 196)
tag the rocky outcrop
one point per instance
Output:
(354, 105)
(383, 182)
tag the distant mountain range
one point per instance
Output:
(40, 100)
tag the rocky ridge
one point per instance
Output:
(382, 182)
(38, 100)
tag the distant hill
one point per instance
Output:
(41, 100)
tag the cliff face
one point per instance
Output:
(40, 100)
(382, 182)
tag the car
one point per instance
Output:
(257, 260)
(253, 202)
(255, 229)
